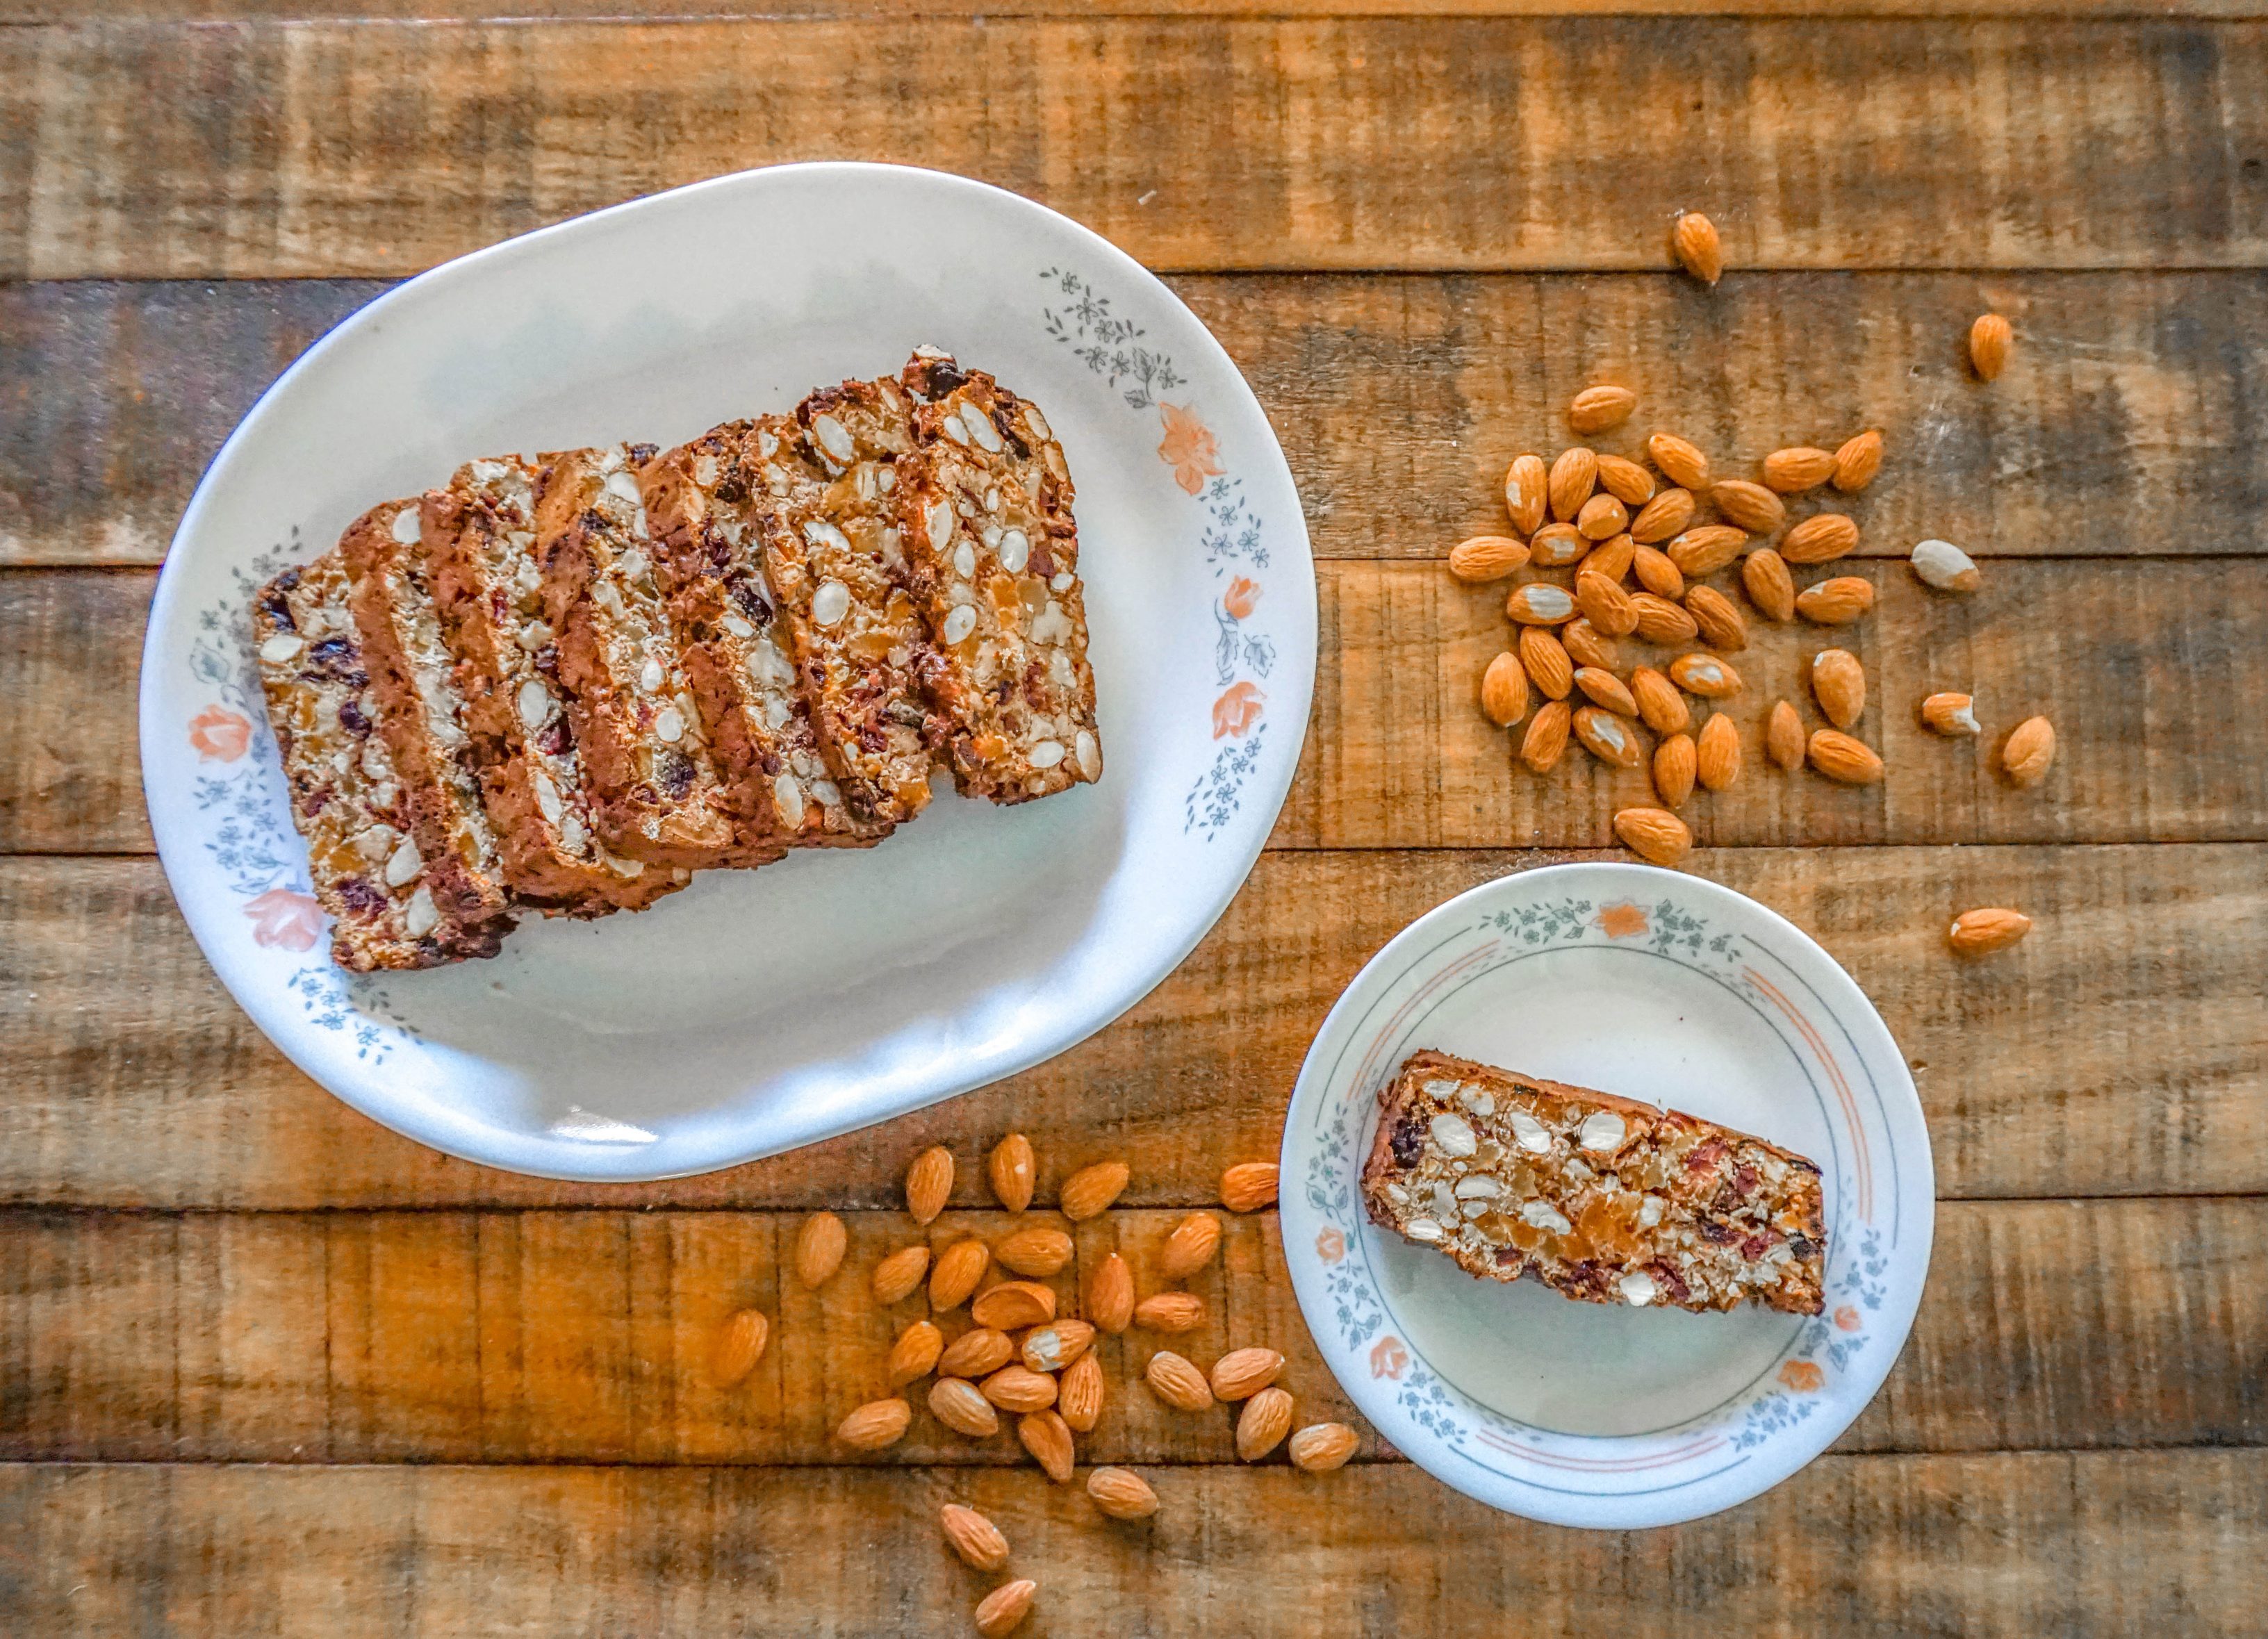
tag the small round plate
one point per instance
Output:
(1660, 987)
(762, 1010)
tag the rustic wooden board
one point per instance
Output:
(1892, 1547)
(230, 11)
(2121, 1050)
(375, 148)
(2124, 428)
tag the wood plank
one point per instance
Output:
(2125, 430)
(1894, 1547)
(2122, 1049)
(351, 149)
(423, 10)
(585, 1336)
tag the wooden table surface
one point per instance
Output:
(265, 1368)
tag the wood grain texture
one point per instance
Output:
(2125, 427)
(1890, 1548)
(412, 11)
(587, 1336)
(2121, 1049)
(1398, 754)
(347, 149)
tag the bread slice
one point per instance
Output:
(479, 545)
(703, 504)
(985, 508)
(391, 905)
(1600, 1198)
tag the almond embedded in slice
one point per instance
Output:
(1121, 1493)
(1659, 701)
(1822, 538)
(1190, 1246)
(1693, 239)
(1012, 1170)
(1248, 1186)
(1720, 623)
(1858, 461)
(2030, 751)
(929, 1183)
(1838, 683)
(1504, 691)
(1089, 1191)
(1951, 715)
(1654, 834)
(975, 1538)
(1676, 763)
(1485, 558)
(1611, 739)
(1597, 408)
(1843, 759)
(1625, 480)
(1547, 736)
(1527, 492)
(1038, 1251)
(1262, 1424)
(1751, 505)
(1981, 932)
(1718, 761)
(1784, 738)
(1681, 461)
(818, 1248)
(1836, 602)
(1574, 474)
(1770, 586)
(1989, 340)
(1546, 662)
(1321, 1447)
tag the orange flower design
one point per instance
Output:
(219, 734)
(1330, 1246)
(1621, 922)
(1803, 1376)
(1389, 1358)
(1242, 598)
(1237, 710)
(1847, 1317)
(1189, 447)
(285, 920)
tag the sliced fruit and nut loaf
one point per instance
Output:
(1600, 1198)
(346, 798)
(984, 508)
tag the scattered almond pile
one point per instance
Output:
(1018, 1355)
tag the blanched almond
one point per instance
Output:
(1751, 505)
(1039, 1250)
(1693, 240)
(1663, 516)
(1121, 1493)
(975, 1538)
(1989, 340)
(1089, 1191)
(1770, 586)
(1704, 675)
(1504, 691)
(1546, 663)
(1574, 474)
(874, 1425)
(1601, 519)
(1784, 736)
(1262, 1424)
(1661, 621)
(1547, 736)
(1625, 480)
(1001, 1612)
(740, 1345)
(1011, 1169)
(1540, 603)
(1720, 624)
(1012, 1305)
(1555, 545)
(1584, 644)
(1858, 461)
(1840, 757)
(1170, 1311)
(929, 1183)
(1079, 1398)
(1243, 1372)
(1839, 683)
(1605, 605)
(1321, 1447)
(1190, 1246)
(2029, 752)
(1606, 689)
(1110, 1295)
(1951, 714)
(1795, 470)
(818, 1248)
(1705, 548)
(1610, 739)
(1657, 574)
(1047, 1437)
(915, 1354)
(1718, 762)
(897, 1274)
(1681, 461)
(1836, 602)
(960, 1267)
(1660, 702)
(1052, 1347)
(1018, 1388)
(977, 1352)
(1527, 492)
(1485, 558)
(1654, 834)
(1820, 538)
(1676, 763)
(1945, 566)
(1611, 557)
(1176, 1382)
(1981, 932)
(1248, 1186)
(1597, 408)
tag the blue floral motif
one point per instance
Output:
(1108, 346)
(1218, 792)
(1233, 535)
(1561, 922)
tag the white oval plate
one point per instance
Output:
(758, 1011)
(1661, 987)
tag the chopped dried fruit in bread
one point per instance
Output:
(637, 726)
(479, 549)
(985, 508)
(346, 798)
(704, 502)
(1602, 1198)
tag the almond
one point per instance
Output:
(1836, 602)
(929, 1181)
(975, 1538)
(897, 1274)
(1611, 557)
(1018, 1388)
(1321, 1447)
(1527, 492)
(1945, 566)
(1555, 545)
(2030, 751)
(1121, 1493)
(1547, 736)
(1654, 834)
(1110, 1295)
(1704, 675)
(1012, 1305)
(1011, 1170)
(1504, 691)
(1950, 715)
(1248, 1186)
(1048, 1438)
(1675, 764)
(1838, 683)
(1988, 338)
(1605, 605)
(1038, 1251)
(1793, 470)
(1858, 461)
(1625, 480)
(1053, 1347)
(1079, 1397)
(1662, 621)
(1190, 1246)
(1702, 551)
(1784, 736)
(1243, 1372)
(1487, 557)
(1763, 573)
(1606, 689)
(1659, 702)
(1001, 1611)
(1657, 574)
(1546, 663)
(1262, 1424)
(1693, 240)
(1839, 757)
(1601, 519)
(1680, 462)
(874, 1425)
(1170, 1311)
(1597, 408)
(1720, 624)
(977, 1353)
(1981, 932)
(1574, 474)
(1720, 760)
(915, 1354)
(818, 1248)
(1822, 538)
(1176, 1382)
(960, 1267)
(1608, 737)
(1584, 645)
(1089, 1191)
(1663, 516)
(1540, 603)
(1753, 507)
(740, 1345)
